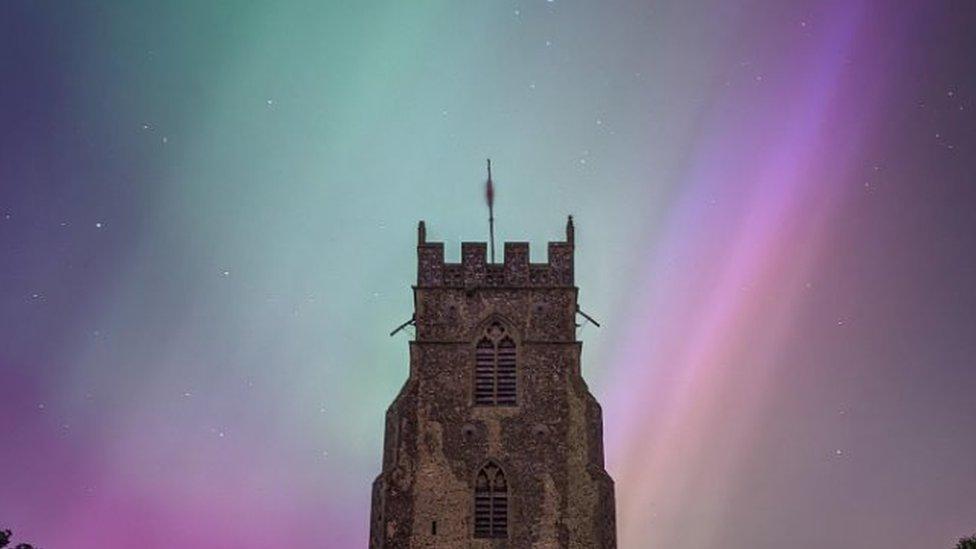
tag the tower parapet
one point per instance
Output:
(474, 270)
(494, 441)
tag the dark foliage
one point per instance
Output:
(967, 543)
(5, 541)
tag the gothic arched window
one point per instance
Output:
(494, 371)
(491, 503)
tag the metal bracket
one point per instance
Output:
(413, 320)
(586, 316)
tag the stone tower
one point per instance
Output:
(494, 440)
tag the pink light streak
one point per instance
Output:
(718, 298)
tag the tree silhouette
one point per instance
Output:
(967, 543)
(5, 541)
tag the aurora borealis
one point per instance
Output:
(207, 230)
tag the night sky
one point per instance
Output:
(208, 221)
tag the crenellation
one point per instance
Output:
(539, 274)
(474, 263)
(475, 271)
(430, 264)
(516, 263)
(495, 275)
(453, 275)
(561, 263)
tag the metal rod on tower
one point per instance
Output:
(490, 198)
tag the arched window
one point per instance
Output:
(495, 374)
(491, 503)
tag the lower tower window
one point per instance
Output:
(491, 503)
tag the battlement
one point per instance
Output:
(475, 270)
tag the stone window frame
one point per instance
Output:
(493, 498)
(507, 333)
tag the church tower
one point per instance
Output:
(494, 441)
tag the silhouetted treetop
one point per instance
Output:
(5, 541)
(967, 543)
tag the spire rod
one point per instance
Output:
(490, 198)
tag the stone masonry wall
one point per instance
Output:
(550, 446)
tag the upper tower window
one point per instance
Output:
(495, 374)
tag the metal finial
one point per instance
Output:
(490, 198)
